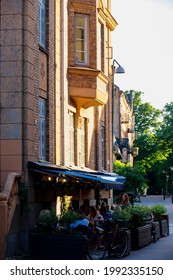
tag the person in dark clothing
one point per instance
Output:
(104, 212)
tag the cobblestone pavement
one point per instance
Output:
(163, 248)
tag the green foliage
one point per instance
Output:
(135, 178)
(123, 215)
(158, 210)
(154, 138)
(64, 203)
(47, 221)
(69, 217)
(23, 192)
(138, 215)
(48, 218)
(147, 118)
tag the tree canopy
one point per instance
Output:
(154, 137)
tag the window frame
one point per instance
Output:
(86, 39)
(42, 23)
(100, 51)
(42, 128)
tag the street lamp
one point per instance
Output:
(115, 70)
(119, 69)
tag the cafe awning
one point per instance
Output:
(107, 179)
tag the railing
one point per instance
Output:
(8, 200)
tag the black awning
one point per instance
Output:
(106, 179)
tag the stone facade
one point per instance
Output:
(30, 71)
(123, 126)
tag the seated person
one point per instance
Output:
(94, 215)
(104, 212)
(83, 221)
(125, 202)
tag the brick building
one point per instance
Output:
(56, 107)
(123, 126)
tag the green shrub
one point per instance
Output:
(47, 220)
(121, 214)
(139, 213)
(158, 210)
(69, 217)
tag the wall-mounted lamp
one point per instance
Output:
(119, 69)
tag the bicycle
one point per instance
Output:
(109, 238)
(150, 220)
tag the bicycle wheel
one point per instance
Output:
(120, 244)
(96, 248)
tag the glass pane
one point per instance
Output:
(80, 46)
(80, 21)
(80, 33)
(80, 56)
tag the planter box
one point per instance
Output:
(164, 228)
(141, 236)
(129, 242)
(166, 217)
(157, 229)
(51, 247)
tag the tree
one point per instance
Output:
(136, 180)
(153, 139)
(147, 118)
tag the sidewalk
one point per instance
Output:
(161, 250)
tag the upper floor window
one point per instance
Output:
(81, 39)
(42, 129)
(83, 142)
(71, 138)
(42, 25)
(100, 53)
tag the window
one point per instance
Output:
(71, 138)
(83, 146)
(42, 129)
(81, 39)
(103, 146)
(42, 27)
(100, 47)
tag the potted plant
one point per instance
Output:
(123, 215)
(140, 230)
(47, 221)
(47, 241)
(160, 216)
(158, 210)
(68, 218)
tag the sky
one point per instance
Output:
(143, 44)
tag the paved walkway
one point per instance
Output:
(163, 248)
